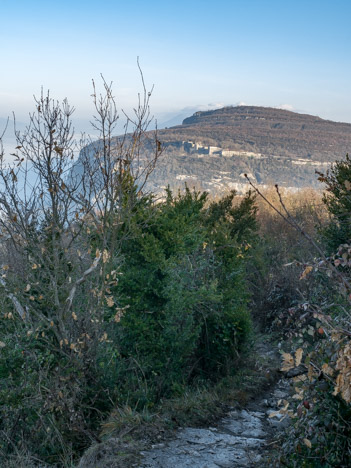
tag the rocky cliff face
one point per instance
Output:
(213, 150)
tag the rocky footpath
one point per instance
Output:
(241, 439)
(244, 437)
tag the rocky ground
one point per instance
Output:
(244, 437)
(241, 439)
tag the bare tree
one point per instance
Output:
(60, 233)
(116, 169)
(48, 210)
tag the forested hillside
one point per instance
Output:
(213, 150)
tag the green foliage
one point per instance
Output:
(338, 202)
(326, 425)
(167, 309)
(51, 397)
(183, 281)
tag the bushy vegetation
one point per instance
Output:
(110, 298)
(317, 333)
(115, 303)
(183, 282)
(276, 286)
(338, 202)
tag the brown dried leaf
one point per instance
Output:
(104, 337)
(311, 374)
(306, 271)
(298, 356)
(307, 443)
(343, 380)
(105, 256)
(110, 301)
(288, 362)
(327, 369)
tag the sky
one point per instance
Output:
(197, 54)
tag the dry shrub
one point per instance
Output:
(319, 331)
(283, 250)
(305, 205)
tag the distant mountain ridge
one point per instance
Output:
(267, 130)
(214, 149)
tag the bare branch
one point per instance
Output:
(291, 221)
(87, 272)
(20, 310)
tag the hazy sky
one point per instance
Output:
(196, 53)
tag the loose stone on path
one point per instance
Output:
(237, 441)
